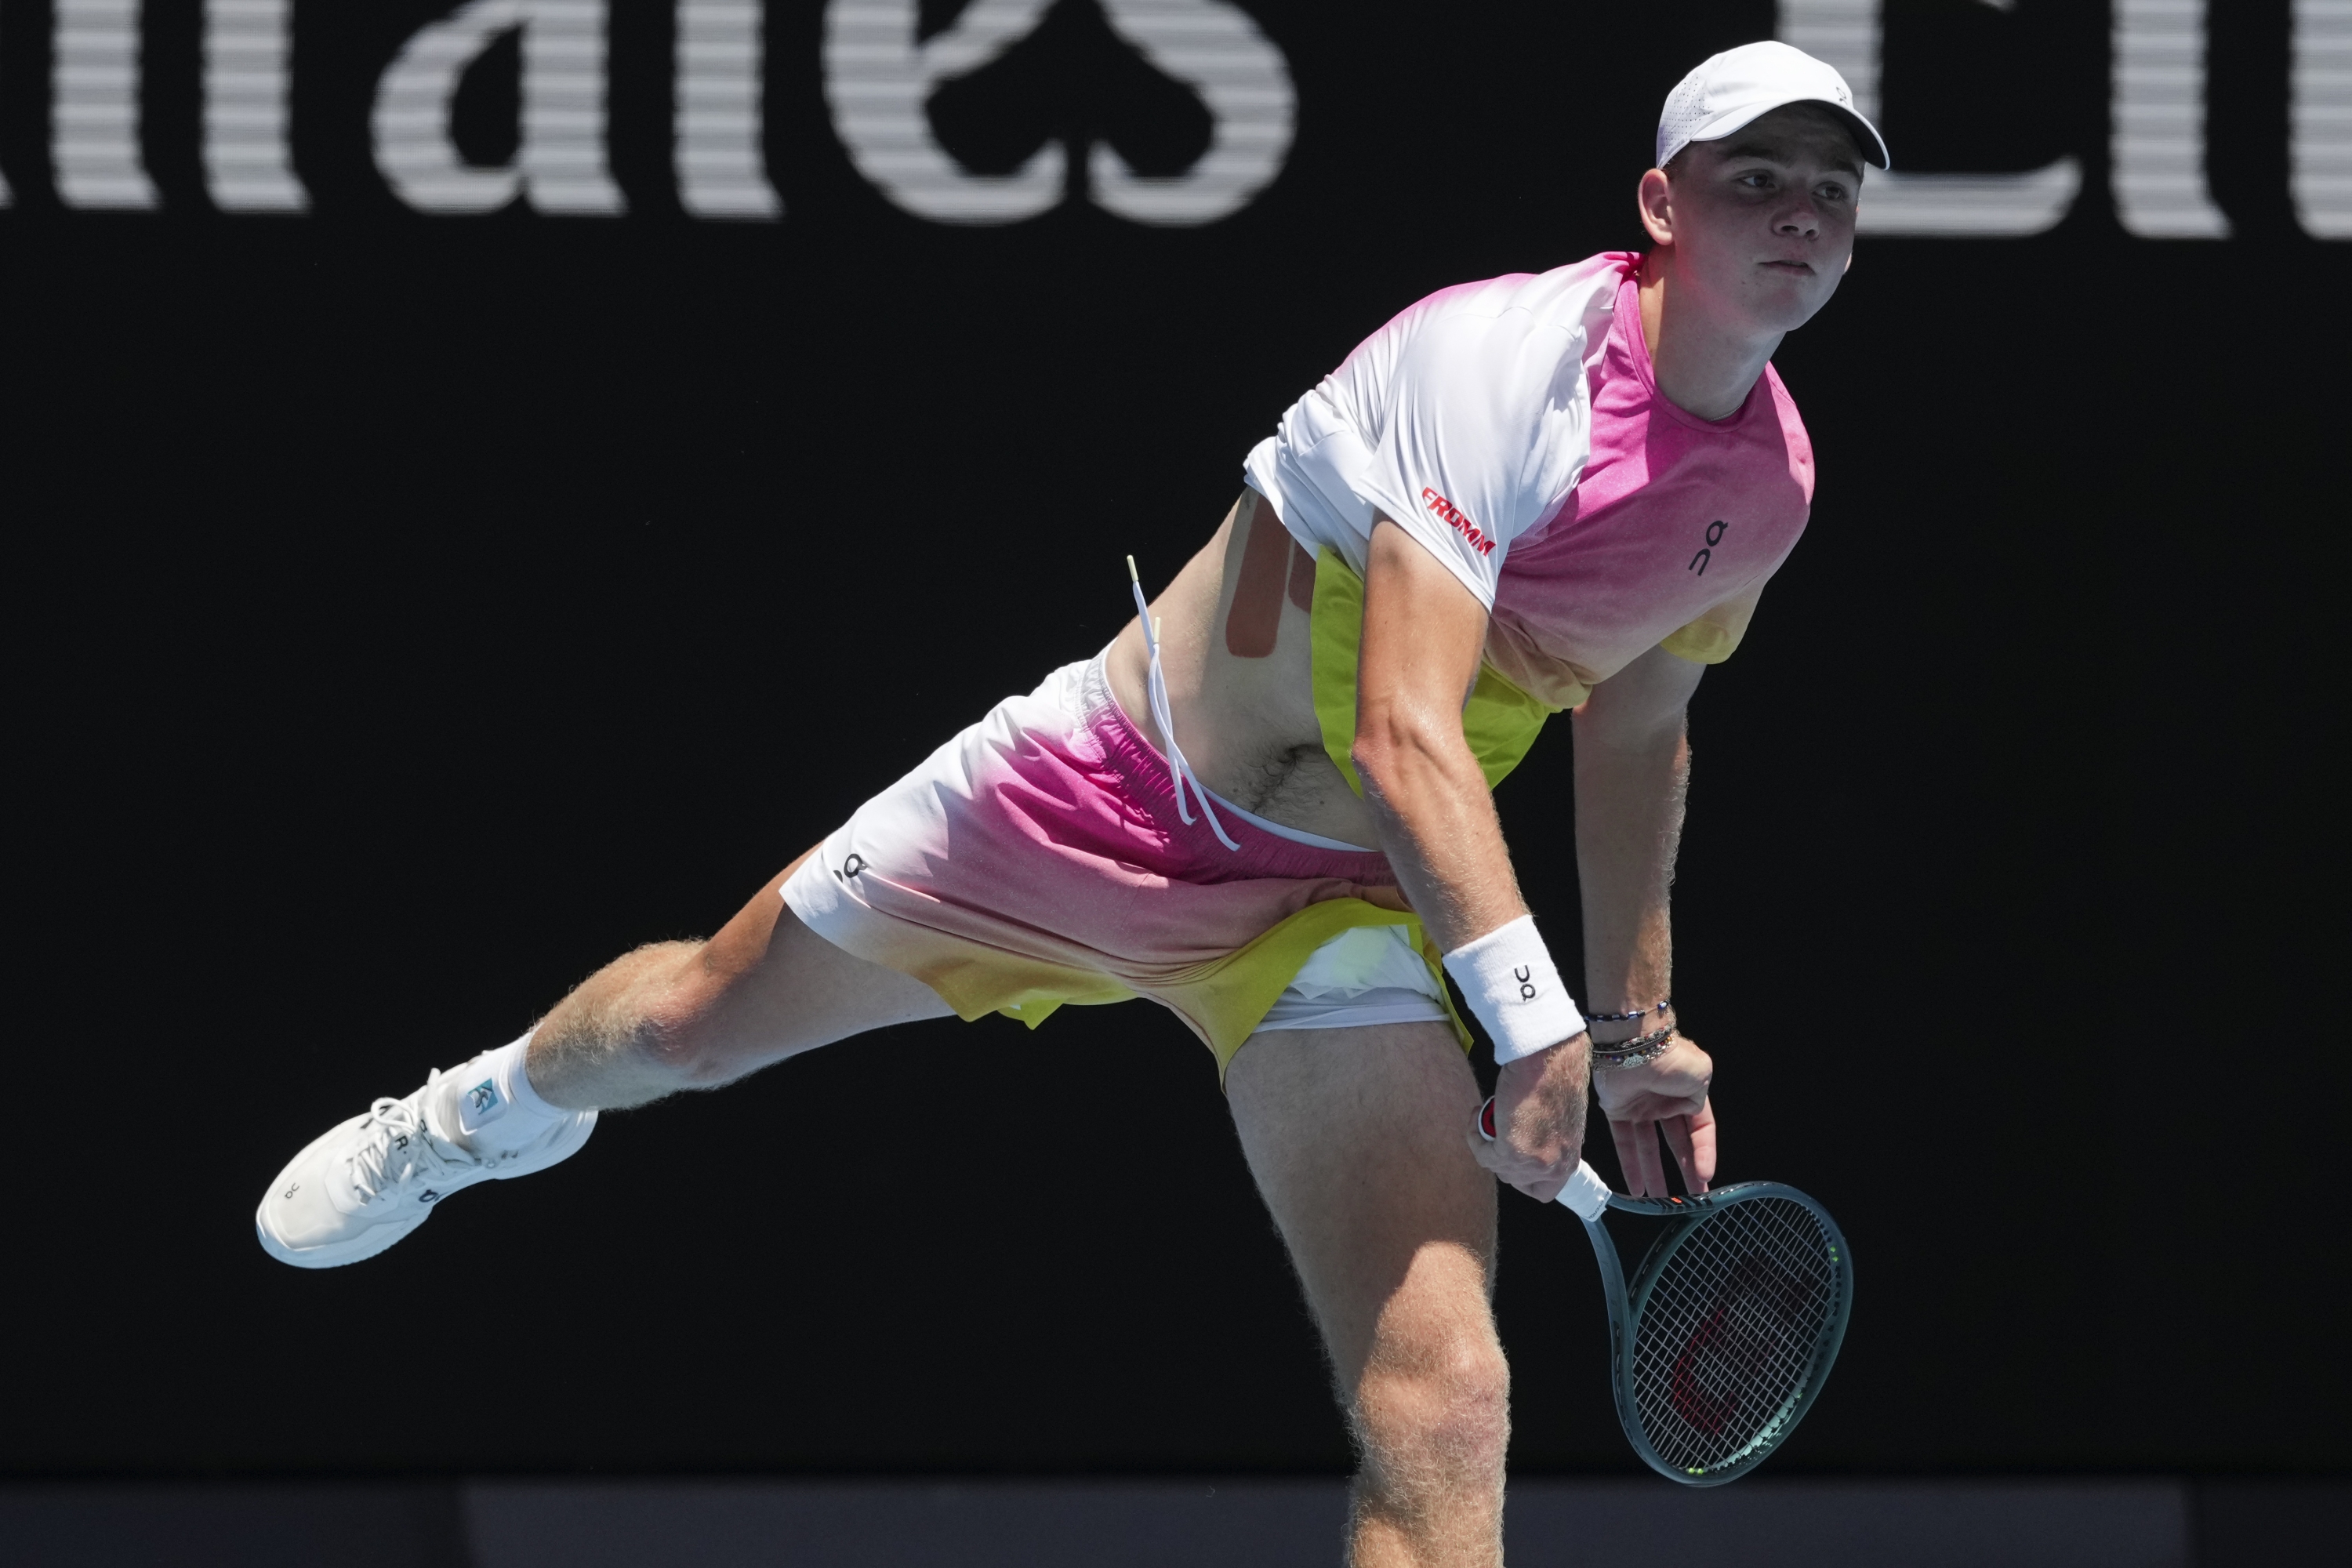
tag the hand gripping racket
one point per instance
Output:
(1730, 1326)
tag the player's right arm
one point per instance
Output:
(1424, 634)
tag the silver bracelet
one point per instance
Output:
(1635, 1017)
(1639, 1051)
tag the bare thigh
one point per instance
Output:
(695, 1015)
(1356, 1139)
(787, 989)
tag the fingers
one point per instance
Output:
(1622, 1134)
(1638, 1157)
(1653, 1163)
(1691, 1138)
(1702, 1140)
(1540, 1179)
(1544, 1191)
(1679, 1138)
(1498, 1160)
(1704, 1143)
(1694, 1145)
(1685, 1133)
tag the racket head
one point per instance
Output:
(1733, 1322)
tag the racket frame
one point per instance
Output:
(1685, 1215)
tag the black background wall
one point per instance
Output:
(411, 612)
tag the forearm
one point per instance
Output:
(1424, 636)
(1437, 824)
(1633, 765)
(1629, 817)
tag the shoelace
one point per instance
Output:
(401, 1150)
(1158, 687)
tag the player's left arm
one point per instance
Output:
(1632, 765)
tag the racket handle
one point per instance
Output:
(1586, 1193)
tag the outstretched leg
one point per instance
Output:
(697, 1015)
(1356, 1139)
(677, 1015)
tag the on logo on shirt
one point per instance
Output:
(1460, 522)
(1715, 532)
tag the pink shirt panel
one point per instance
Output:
(1668, 537)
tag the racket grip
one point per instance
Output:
(1586, 1193)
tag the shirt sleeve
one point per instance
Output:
(1716, 635)
(1487, 426)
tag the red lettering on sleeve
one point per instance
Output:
(1460, 522)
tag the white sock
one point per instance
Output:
(490, 1106)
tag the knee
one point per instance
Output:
(672, 1023)
(1434, 1419)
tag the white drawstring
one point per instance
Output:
(1158, 688)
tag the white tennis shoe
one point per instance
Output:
(364, 1184)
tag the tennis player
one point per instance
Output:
(1266, 805)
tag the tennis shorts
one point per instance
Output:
(1039, 860)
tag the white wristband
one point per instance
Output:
(1508, 978)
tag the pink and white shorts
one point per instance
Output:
(1039, 859)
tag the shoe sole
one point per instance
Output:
(378, 1237)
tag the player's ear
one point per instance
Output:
(1656, 198)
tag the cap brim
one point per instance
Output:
(1866, 134)
(1866, 139)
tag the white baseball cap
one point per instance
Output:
(1730, 89)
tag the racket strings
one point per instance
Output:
(1728, 1335)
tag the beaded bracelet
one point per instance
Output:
(1635, 1017)
(1639, 1051)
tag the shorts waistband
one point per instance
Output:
(1094, 688)
(1094, 695)
(1291, 851)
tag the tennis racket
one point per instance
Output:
(1729, 1328)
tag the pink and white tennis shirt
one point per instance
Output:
(1514, 427)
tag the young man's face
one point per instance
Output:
(1762, 220)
